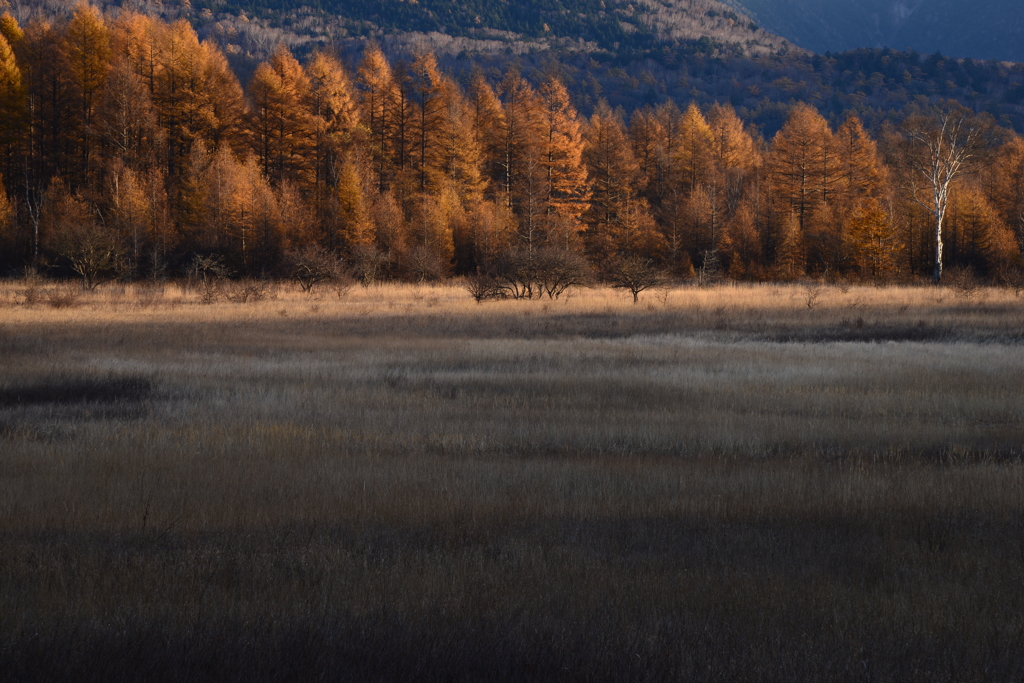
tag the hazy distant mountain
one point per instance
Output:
(982, 29)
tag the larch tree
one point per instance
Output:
(861, 185)
(873, 238)
(282, 127)
(616, 215)
(803, 171)
(700, 182)
(427, 128)
(174, 87)
(13, 109)
(86, 47)
(488, 122)
(461, 152)
(695, 147)
(376, 83)
(220, 110)
(568, 188)
(1006, 185)
(975, 233)
(355, 229)
(126, 117)
(333, 106)
(802, 163)
(520, 132)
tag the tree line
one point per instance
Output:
(130, 149)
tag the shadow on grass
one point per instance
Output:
(78, 390)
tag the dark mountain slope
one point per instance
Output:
(981, 29)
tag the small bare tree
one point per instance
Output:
(636, 275)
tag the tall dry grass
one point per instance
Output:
(723, 484)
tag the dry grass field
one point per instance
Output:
(742, 483)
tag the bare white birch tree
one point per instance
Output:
(940, 149)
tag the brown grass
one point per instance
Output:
(721, 484)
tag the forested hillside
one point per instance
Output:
(978, 29)
(131, 149)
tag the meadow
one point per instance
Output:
(737, 483)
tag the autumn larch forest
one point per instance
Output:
(131, 150)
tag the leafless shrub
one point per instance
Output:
(483, 287)
(963, 281)
(247, 291)
(94, 252)
(369, 264)
(32, 294)
(710, 272)
(425, 265)
(207, 274)
(1013, 278)
(526, 274)
(636, 275)
(313, 265)
(813, 290)
(63, 295)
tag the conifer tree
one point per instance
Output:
(333, 106)
(488, 122)
(376, 82)
(618, 220)
(13, 108)
(568, 189)
(283, 129)
(86, 47)
(126, 117)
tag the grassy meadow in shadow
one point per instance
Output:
(741, 483)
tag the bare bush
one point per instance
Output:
(963, 281)
(710, 272)
(483, 287)
(63, 295)
(813, 290)
(207, 274)
(550, 270)
(369, 264)
(1013, 278)
(560, 269)
(313, 265)
(247, 291)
